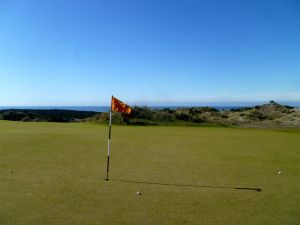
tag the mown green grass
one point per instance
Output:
(59, 170)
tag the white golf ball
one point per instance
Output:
(280, 172)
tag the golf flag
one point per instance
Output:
(118, 106)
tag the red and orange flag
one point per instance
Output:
(118, 106)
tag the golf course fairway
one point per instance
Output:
(54, 174)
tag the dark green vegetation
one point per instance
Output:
(50, 115)
(267, 115)
(58, 170)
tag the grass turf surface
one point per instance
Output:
(59, 170)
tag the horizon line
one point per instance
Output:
(212, 103)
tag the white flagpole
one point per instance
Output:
(108, 145)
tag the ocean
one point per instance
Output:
(106, 108)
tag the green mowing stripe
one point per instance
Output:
(187, 175)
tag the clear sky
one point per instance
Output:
(151, 52)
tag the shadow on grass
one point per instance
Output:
(188, 185)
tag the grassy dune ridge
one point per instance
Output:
(269, 115)
(58, 175)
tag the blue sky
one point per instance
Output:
(149, 52)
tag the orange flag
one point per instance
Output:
(118, 106)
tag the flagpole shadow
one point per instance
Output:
(188, 185)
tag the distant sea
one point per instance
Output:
(106, 108)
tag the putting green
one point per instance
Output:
(186, 175)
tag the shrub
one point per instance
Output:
(163, 116)
(16, 116)
(142, 113)
(258, 116)
(141, 122)
(184, 117)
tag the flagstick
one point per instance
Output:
(108, 145)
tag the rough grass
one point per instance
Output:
(59, 170)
